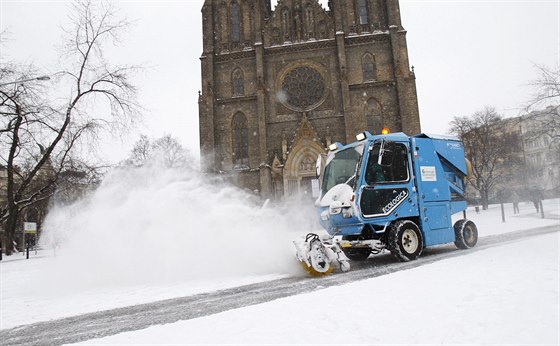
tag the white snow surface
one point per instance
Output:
(170, 234)
(505, 295)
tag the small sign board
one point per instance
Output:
(315, 188)
(30, 227)
(428, 173)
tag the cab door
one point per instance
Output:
(387, 186)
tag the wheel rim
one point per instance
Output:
(410, 241)
(468, 235)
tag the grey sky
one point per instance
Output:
(466, 54)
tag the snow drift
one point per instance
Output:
(148, 224)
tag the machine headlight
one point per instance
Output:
(347, 212)
(335, 207)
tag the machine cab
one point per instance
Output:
(365, 182)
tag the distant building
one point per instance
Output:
(278, 86)
(530, 158)
(541, 149)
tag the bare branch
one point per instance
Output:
(38, 137)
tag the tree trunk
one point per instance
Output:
(10, 228)
(484, 199)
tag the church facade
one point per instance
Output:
(279, 86)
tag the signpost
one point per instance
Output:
(29, 228)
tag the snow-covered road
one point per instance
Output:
(103, 292)
(502, 295)
(110, 322)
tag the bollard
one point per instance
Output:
(464, 214)
(542, 209)
(503, 213)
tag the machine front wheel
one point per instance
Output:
(466, 234)
(405, 240)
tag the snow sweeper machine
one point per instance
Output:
(388, 191)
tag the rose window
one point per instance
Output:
(304, 88)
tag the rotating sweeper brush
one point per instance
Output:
(318, 256)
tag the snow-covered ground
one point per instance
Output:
(506, 294)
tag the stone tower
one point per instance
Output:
(279, 86)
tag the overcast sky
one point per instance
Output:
(466, 54)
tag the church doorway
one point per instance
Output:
(309, 187)
(300, 172)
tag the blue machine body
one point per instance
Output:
(423, 183)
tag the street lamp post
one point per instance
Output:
(26, 80)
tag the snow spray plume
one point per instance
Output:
(152, 225)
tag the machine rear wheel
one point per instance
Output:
(466, 234)
(357, 254)
(405, 240)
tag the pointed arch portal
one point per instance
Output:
(300, 176)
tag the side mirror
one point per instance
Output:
(319, 165)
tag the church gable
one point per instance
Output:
(305, 134)
(305, 143)
(298, 21)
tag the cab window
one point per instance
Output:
(396, 171)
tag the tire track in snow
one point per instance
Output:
(110, 322)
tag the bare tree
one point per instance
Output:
(140, 153)
(488, 145)
(77, 180)
(39, 136)
(546, 88)
(542, 110)
(165, 151)
(171, 153)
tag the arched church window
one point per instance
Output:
(235, 23)
(322, 30)
(309, 21)
(238, 85)
(240, 134)
(369, 70)
(362, 11)
(374, 116)
(276, 37)
(286, 24)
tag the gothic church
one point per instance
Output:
(279, 86)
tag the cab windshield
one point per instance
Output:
(341, 168)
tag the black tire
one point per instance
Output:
(405, 240)
(466, 234)
(357, 254)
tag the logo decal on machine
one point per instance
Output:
(428, 173)
(398, 198)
